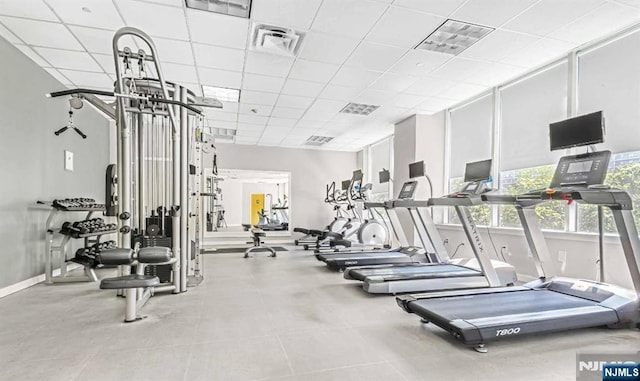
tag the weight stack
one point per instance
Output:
(161, 271)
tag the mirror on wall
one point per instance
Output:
(239, 199)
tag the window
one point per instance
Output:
(609, 80)
(481, 214)
(527, 109)
(623, 173)
(380, 157)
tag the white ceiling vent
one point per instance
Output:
(453, 37)
(317, 140)
(358, 109)
(275, 39)
(223, 133)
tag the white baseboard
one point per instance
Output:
(33, 281)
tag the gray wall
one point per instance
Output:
(31, 160)
(310, 171)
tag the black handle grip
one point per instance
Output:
(63, 129)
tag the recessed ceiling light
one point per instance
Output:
(240, 8)
(358, 109)
(453, 37)
(317, 140)
(221, 93)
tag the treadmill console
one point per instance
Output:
(408, 190)
(581, 170)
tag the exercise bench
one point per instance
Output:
(256, 236)
(138, 287)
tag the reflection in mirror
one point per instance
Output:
(241, 199)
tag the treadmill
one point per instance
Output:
(546, 305)
(447, 274)
(404, 253)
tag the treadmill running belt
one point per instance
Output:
(475, 319)
(469, 307)
(414, 272)
(352, 256)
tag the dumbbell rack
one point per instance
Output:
(62, 249)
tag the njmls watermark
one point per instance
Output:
(610, 366)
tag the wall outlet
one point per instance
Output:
(68, 161)
(562, 256)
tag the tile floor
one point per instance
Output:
(262, 318)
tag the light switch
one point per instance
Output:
(68, 161)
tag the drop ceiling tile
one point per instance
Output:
(302, 88)
(250, 127)
(174, 51)
(219, 57)
(339, 93)
(294, 101)
(493, 13)
(94, 40)
(68, 59)
(254, 109)
(291, 13)
(250, 133)
(272, 131)
(313, 71)
(179, 73)
(406, 100)
(498, 44)
(633, 3)
(231, 107)
(222, 124)
(253, 119)
(268, 64)
(194, 88)
(373, 97)
(548, 15)
(404, 28)
(87, 79)
(265, 83)
(98, 14)
(309, 124)
(394, 83)
(106, 62)
(215, 115)
(41, 33)
(324, 107)
(604, 20)
(287, 112)
(352, 77)
(328, 48)
(313, 115)
(462, 91)
(220, 78)
(282, 122)
(137, 14)
(460, 68)
(217, 29)
(6, 33)
(434, 104)
(538, 53)
(27, 51)
(59, 77)
(36, 9)
(376, 57)
(436, 7)
(173, 3)
(419, 62)
(352, 18)
(495, 74)
(429, 86)
(305, 133)
(258, 97)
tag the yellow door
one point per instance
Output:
(257, 206)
